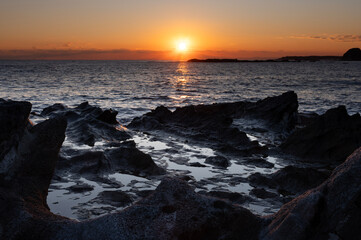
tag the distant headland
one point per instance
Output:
(353, 54)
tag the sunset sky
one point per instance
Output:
(152, 29)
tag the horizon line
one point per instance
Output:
(153, 55)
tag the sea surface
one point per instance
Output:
(135, 87)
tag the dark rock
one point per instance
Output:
(212, 124)
(91, 162)
(218, 161)
(108, 116)
(144, 193)
(278, 111)
(80, 188)
(330, 209)
(126, 158)
(331, 137)
(262, 193)
(113, 198)
(233, 197)
(50, 109)
(13, 120)
(353, 54)
(197, 164)
(88, 124)
(133, 160)
(259, 162)
(290, 180)
(26, 170)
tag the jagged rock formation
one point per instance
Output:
(88, 124)
(331, 210)
(212, 124)
(330, 137)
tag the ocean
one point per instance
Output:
(135, 87)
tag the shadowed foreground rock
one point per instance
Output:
(331, 210)
(331, 137)
(290, 180)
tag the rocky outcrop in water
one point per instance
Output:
(212, 124)
(330, 137)
(126, 158)
(88, 124)
(354, 54)
(290, 180)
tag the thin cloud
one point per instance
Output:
(126, 54)
(337, 38)
(82, 54)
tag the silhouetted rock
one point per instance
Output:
(258, 162)
(88, 124)
(13, 120)
(331, 209)
(132, 160)
(212, 124)
(233, 197)
(27, 168)
(50, 109)
(218, 161)
(262, 193)
(197, 164)
(79, 188)
(330, 137)
(108, 116)
(126, 158)
(278, 111)
(290, 180)
(113, 198)
(353, 54)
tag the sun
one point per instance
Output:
(182, 46)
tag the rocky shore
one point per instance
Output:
(319, 187)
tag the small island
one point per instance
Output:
(353, 54)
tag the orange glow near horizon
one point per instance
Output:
(170, 30)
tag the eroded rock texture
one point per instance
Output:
(331, 137)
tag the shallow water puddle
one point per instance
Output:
(173, 155)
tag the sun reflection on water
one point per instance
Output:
(181, 83)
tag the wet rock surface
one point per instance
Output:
(173, 209)
(88, 124)
(290, 180)
(213, 123)
(218, 161)
(113, 198)
(126, 158)
(331, 137)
